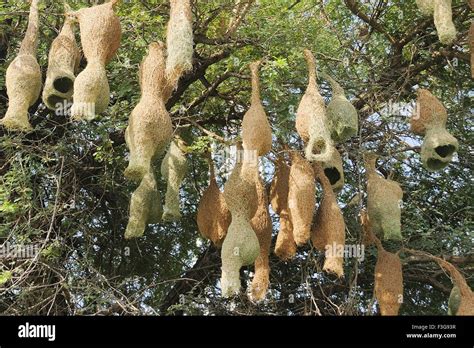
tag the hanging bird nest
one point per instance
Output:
(256, 131)
(471, 47)
(384, 199)
(342, 115)
(23, 78)
(173, 169)
(329, 232)
(301, 198)
(100, 39)
(466, 303)
(388, 282)
(213, 216)
(241, 246)
(145, 207)
(179, 41)
(262, 225)
(429, 119)
(149, 129)
(285, 247)
(63, 62)
(441, 10)
(334, 171)
(454, 301)
(311, 120)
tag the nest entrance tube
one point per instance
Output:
(100, 38)
(23, 78)
(63, 62)
(429, 119)
(334, 171)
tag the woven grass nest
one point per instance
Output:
(173, 169)
(179, 41)
(100, 39)
(63, 63)
(256, 130)
(23, 77)
(388, 282)
(384, 199)
(145, 207)
(262, 225)
(285, 247)
(301, 198)
(329, 232)
(429, 119)
(461, 301)
(441, 10)
(342, 115)
(311, 121)
(149, 129)
(213, 215)
(241, 246)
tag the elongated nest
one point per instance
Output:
(173, 169)
(179, 40)
(388, 282)
(441, 10)
(301, 198)
(429, 113)
(149, 128)
(63, 62)
(213, 216)
(256, 130)
(145, 207)
(23, 78)
(384, 199)
(285, 247)
(262, 225)
(329, 233)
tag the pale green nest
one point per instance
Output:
(438, 149)
(145, 207)
(443, 18)
(454, 301)
(173, 169)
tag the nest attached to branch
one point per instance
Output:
(262, 225)
(179, 41)
(149, 129)
(241, 246)
(429, 119)
(285, 247)
(388, 282)
(23, 78)
(145, 207)
(465, 305)
(311, 120)
(301, 198)
(100, 39)
(454, 301)
(213, 216)
(256, 130)
(441, 10)
(384, 199)
(329, 233)
(63, 62)
(173, 169)
(334, 171)
(342, 115)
